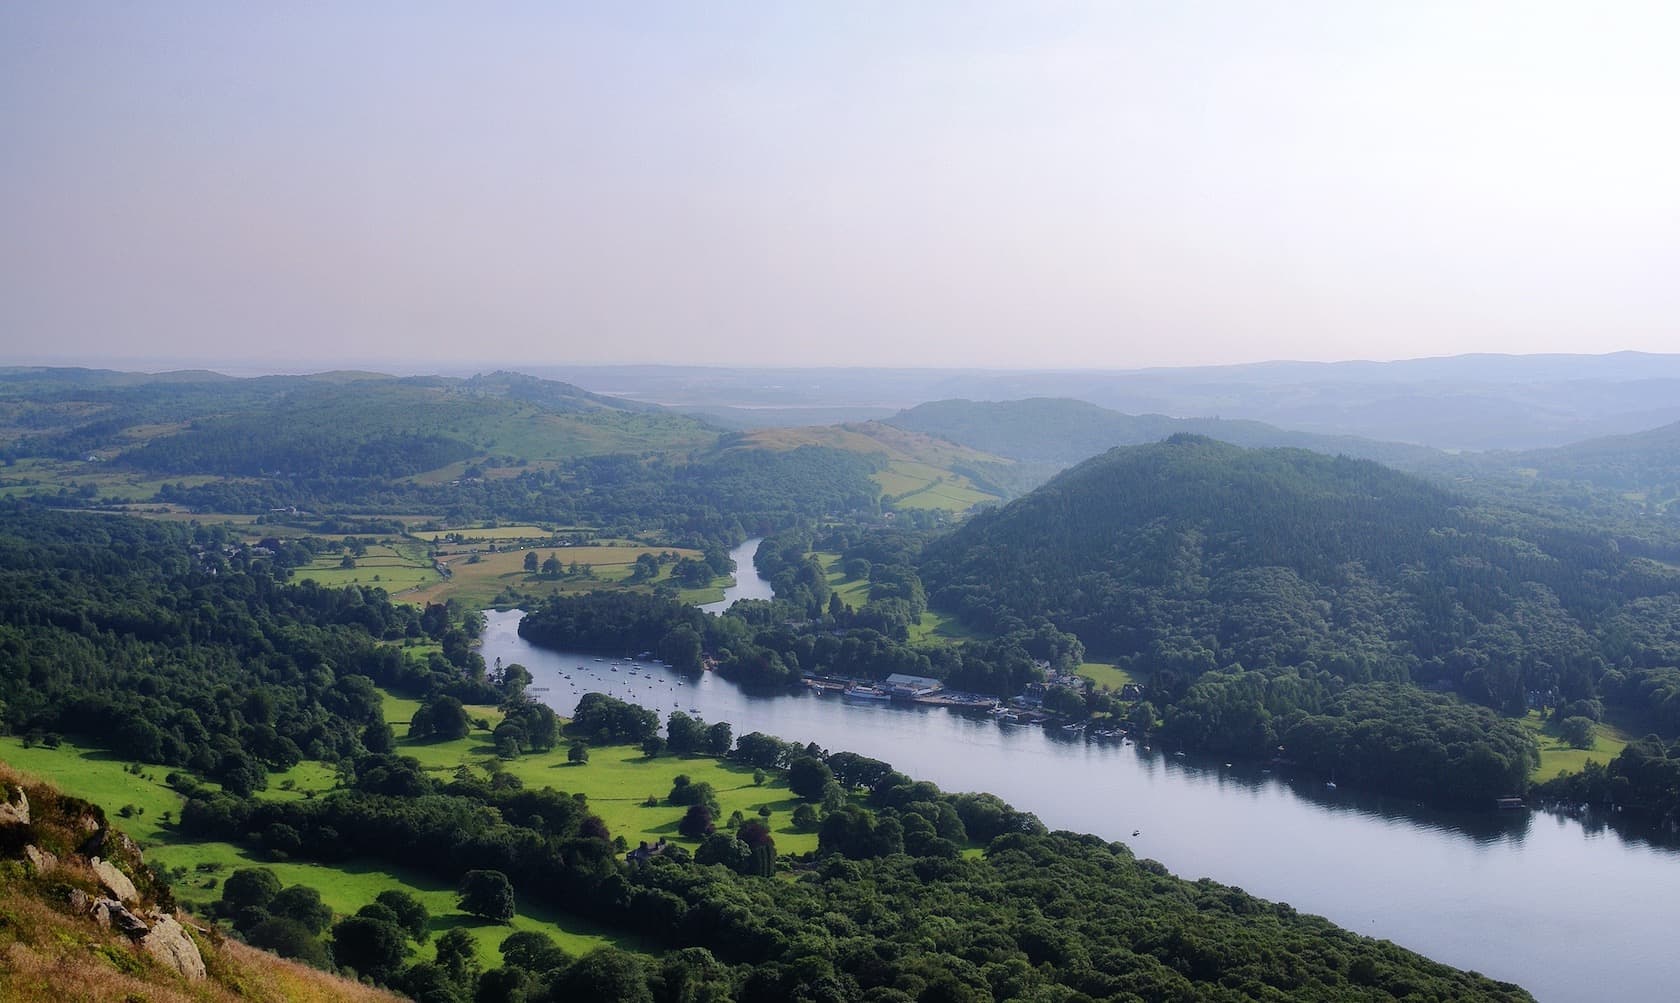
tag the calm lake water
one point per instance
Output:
(1568, 911)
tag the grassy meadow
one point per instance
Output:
(1105, 676)
(921, 485)
(479, 582)
(1558, 756)
(395, 567)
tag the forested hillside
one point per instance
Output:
(1255, 587)
(1637, 474)
(176, 646)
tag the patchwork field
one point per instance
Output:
(394, 567)
(480, 581)
(920, 485)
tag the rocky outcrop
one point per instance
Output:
(15, 809)
(39, 859)
(109, 842)
(114, 881)
(113, 915)
(159, 934)
(169, 942)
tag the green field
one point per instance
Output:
(617, 780)
(921, 485)
(32, 476)
(498, 533)
(394, 567)
(1104, 675)
(938, 628)
(478, 582)
(934, 627)
(1557, 756)
(853, 593)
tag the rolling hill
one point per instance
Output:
(1257, 587)
(327, 424)
(913, 470)
(1063, 431)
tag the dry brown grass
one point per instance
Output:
(49, 955)
(294, 982)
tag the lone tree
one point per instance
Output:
(531, 561)
(696, 822)
(440, 719)
(248, 887)
(488, 894)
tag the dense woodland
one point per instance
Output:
(145, 638)
(1257, 589)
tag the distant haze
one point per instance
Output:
(1039, 185)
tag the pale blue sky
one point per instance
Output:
(974, 184)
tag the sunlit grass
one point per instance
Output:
(1558, 756)
(1104, 675)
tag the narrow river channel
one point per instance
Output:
(1568, 911)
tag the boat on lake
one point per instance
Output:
(867, 693)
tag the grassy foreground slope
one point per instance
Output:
(50, 954)
(199, 866)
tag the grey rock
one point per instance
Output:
(113, 915)
(15, 809)
(39, 859)
(115, 881)
(170, 943)
(128, 846)
(80, 901)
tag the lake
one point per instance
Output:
(1569, 911)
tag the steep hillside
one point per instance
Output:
(1191, 557)
(1063, 431)
(83, 919)
(1626, 484)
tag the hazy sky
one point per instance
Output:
(966, 184)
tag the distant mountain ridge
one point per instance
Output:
(326, 423)
(1065, 431)
(1466, 402)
